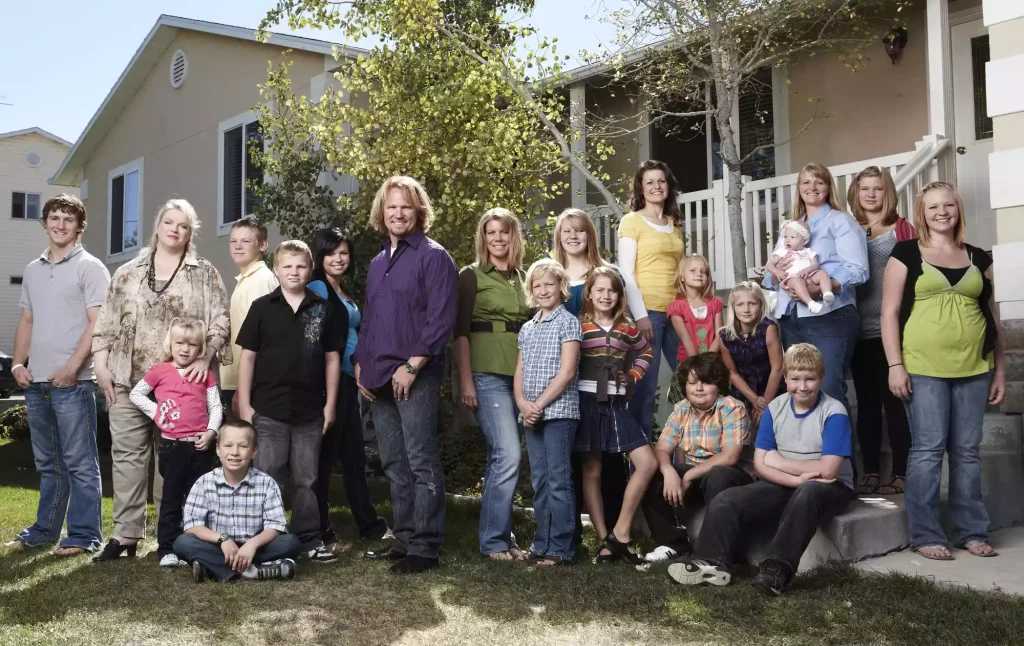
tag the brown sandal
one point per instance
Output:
(866, 488)
(69, 551)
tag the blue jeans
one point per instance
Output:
(192, 548)
(835, 335)
(62, 423)
(946, 415)
(549, 445)
(497, 416)
(407, 437)
(666, 342)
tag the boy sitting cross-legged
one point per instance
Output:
(234, 517)
(802, 455)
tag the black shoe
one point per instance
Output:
(621, 551)
(199, 572)
(385, 554)
(772, 579)
(413, 564)
(282, 570)
(112, 550)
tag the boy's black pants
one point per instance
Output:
(796, 514)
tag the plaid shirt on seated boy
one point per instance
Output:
(234, 523)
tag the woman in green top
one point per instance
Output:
(492, 307)
(946, 362)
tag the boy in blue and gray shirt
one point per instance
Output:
(802, 457)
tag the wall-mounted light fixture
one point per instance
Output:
(895, 42)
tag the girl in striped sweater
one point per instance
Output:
(605, 382)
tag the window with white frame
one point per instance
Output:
(25, 206)
(124, 200)
(236, 168)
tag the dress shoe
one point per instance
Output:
(386, 554)
(113, 550)
(415, 564)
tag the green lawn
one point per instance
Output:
(471, 600)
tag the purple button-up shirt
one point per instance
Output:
(411, 301)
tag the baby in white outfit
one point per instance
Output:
(804, 267)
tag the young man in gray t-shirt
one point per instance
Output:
(61, 294)
(802, 457)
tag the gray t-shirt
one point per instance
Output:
(823, 430)
(869, 295)
(59, 295)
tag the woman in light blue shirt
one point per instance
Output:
(842, 252)
(332, 260)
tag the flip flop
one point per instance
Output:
(918, 550)
(69, 551)
(977, 542)
(893, 489)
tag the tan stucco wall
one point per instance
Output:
(881, 109)
(175, 132)
(22, 240)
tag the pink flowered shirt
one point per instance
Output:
(182, 408)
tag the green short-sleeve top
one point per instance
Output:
(492, 307)
(945, 333)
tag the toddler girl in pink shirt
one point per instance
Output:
(188, 414)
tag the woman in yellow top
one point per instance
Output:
(945, 358)
(650, 247)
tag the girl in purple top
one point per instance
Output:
(751, 349)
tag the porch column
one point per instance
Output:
(940, 84)
(578, 125)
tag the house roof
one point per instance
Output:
(146, 57)
(35, 131)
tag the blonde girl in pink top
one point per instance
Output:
(188, 415)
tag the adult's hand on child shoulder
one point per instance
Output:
(246, 413)
(196, 373)
(206, 439)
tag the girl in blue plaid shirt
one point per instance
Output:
(546, 394)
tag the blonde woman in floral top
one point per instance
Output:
(164, 282)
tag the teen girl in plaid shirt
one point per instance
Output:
(547, 397)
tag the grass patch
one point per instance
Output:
(471, 600)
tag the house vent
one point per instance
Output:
(32, 158)
(179, 68)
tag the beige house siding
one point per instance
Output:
(22, 240)
(881, 109)
(175, 132)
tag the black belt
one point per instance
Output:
(496, 326)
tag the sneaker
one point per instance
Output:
(661, 554)
(199, 572)
(321, 555)
(283, 570)
(171, 560)
(696, 572)
(772, 579)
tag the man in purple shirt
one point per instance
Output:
(411, 299)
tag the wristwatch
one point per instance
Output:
(223, 538)
(410, 369)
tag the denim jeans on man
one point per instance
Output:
(793, 514)
(62, 423)
(946, 415)
(407, 437)
(835, 335)
(666, 342)
(192, 548)
(549, 444)
(296, 446)
(497, 415)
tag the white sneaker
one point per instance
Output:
(696, 572)
(661, 554)
(828, 298)
(814, 307)
(171, 560)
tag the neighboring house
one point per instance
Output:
(176, 124)
(924, 117)
(27, 159)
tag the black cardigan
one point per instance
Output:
(909, 253)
